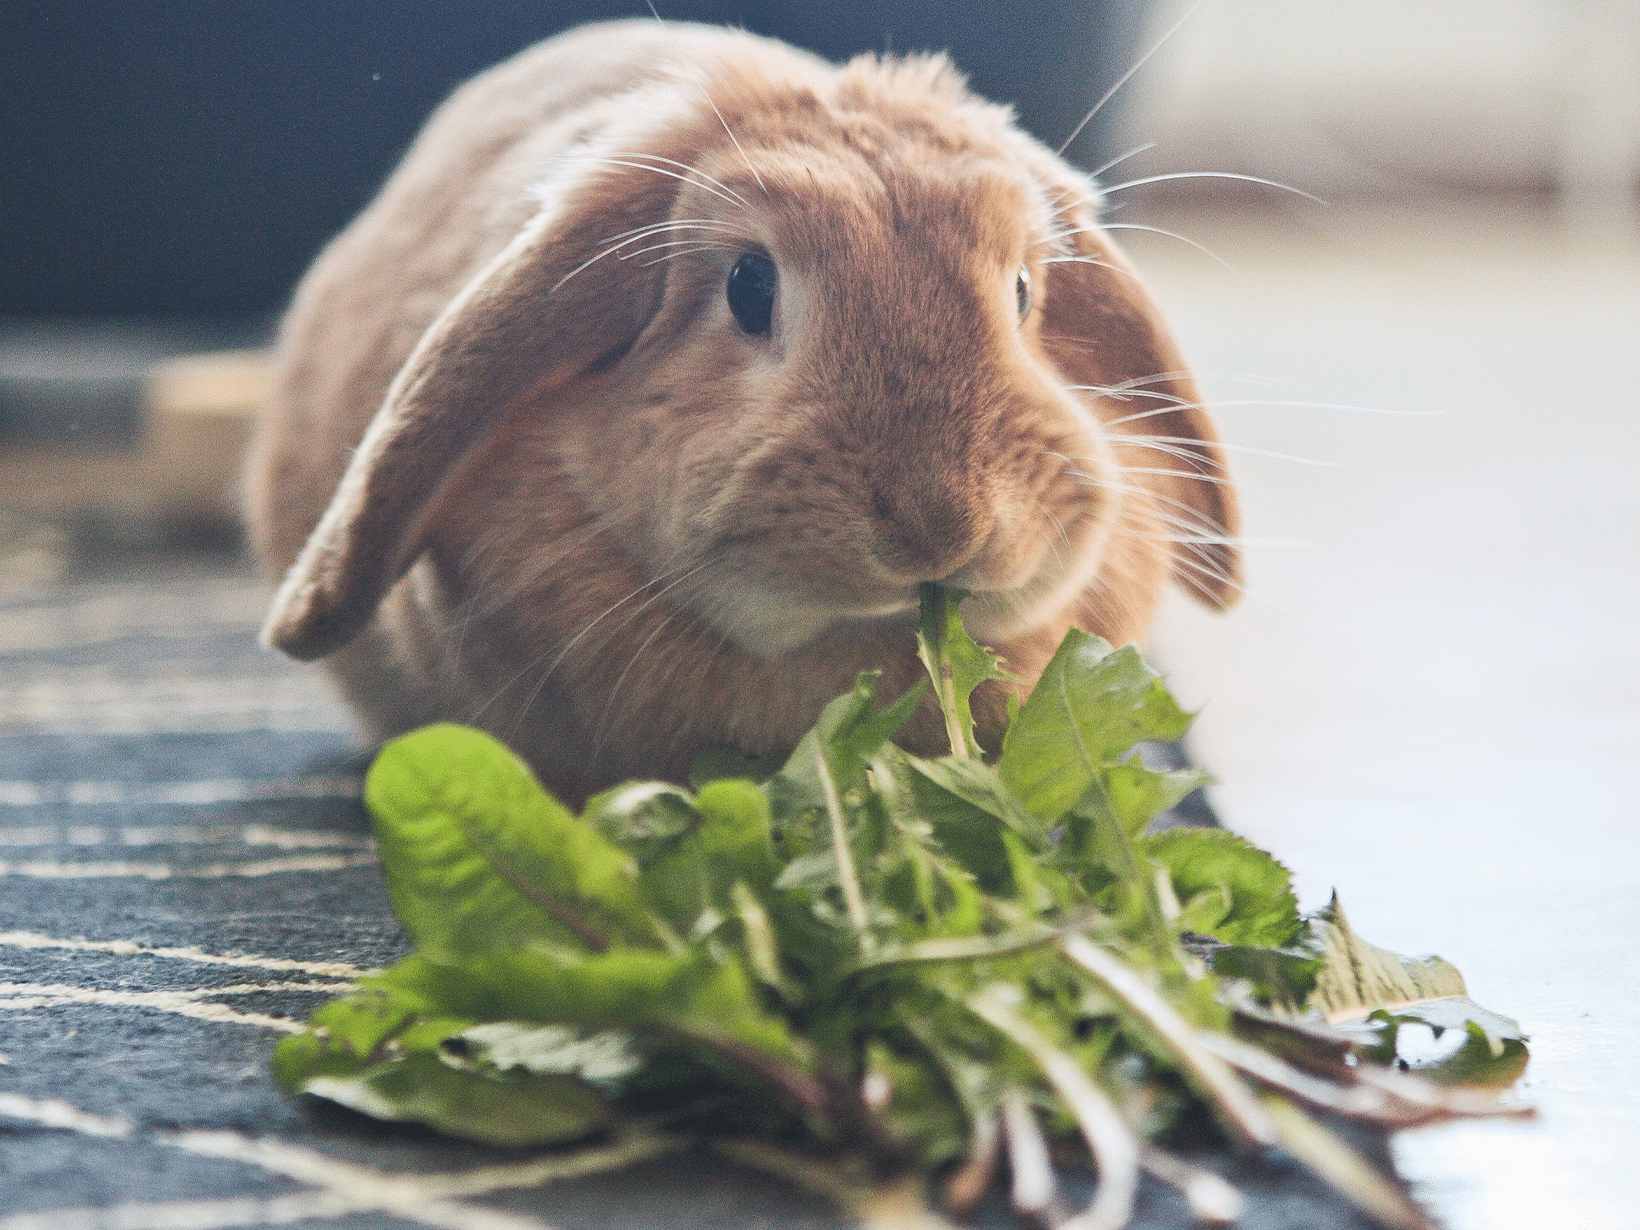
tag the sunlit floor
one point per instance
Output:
(1429, 697)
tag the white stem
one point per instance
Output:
(1211, 1198)
(1244, 1111)
(853, 898)
(1034, 1187)
(1114, 1148)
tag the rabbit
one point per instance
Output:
(629, 417)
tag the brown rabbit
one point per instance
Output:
(628, 418)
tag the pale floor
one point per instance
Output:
(1433, 703)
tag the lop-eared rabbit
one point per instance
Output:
(629, 417)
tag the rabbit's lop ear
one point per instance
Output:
(1102, 327)
(542, 312)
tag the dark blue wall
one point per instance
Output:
(192, 156)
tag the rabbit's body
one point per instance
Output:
(621, 436)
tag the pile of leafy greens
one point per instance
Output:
(890, 965)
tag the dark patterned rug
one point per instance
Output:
(185, 874)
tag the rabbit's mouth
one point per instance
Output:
(772, 616)
(769, 620)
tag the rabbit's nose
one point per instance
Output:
(925, 533)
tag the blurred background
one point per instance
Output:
(1429, 695)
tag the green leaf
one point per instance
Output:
(961, 800)
(1369, 993)
(1139, 794)
(641, 818)
(602, 1059)
(623, 988)
(1356, 975)
(629, 989)
(1461, 1012)
(979, 786)
(956, 664)
(509, 1109)
(849, 734)
(735, 837)
(1201, 913)
(1488, 1056)
(726, 839)
(1489, 1049)
(923, 1113)
(1482, 1060)
(1097, 838)
(714, 764)
(804, 959)
(970, 947)
(350, 1034)
(1280, 976)
(815, 871)
(1262, 910)
(1091, 705)
(479, 857)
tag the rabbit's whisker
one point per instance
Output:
(1191, 518)
(761, 185)
(1194, 456)
(684, 166)
(640, 232)
(1139, 382)
(1251, 179)
(1125, 77)
(1208, 571)
(1130, 388)
(1194, 556)
(662, 21)
(1186, 474)
(1120, 158)
(625, 160)
(485, 601)
(674, 243)
(529, 700)
(635, 237)
(1059, 530)
(602, 731)
(538, 658)
(1080, 260)
(1094, 261)
(1156, 230)
(707, 247)
(1262, 401)
(1153, 441)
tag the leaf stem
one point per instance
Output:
(1121, 855)
(973, 947)
(1211, 1198)
(932, 649)
(1112, 1143)
(967, 1185)
(932, 646)
(1244, 1113)
(1035, 1190)
(853, 898)
(532, 892)
(803, 1090)
(1354, 1100)
(953, 727)
(1379, 1197)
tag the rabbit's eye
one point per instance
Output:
(1024, 292)
(751, 288)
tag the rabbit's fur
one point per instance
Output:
(525, 469)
